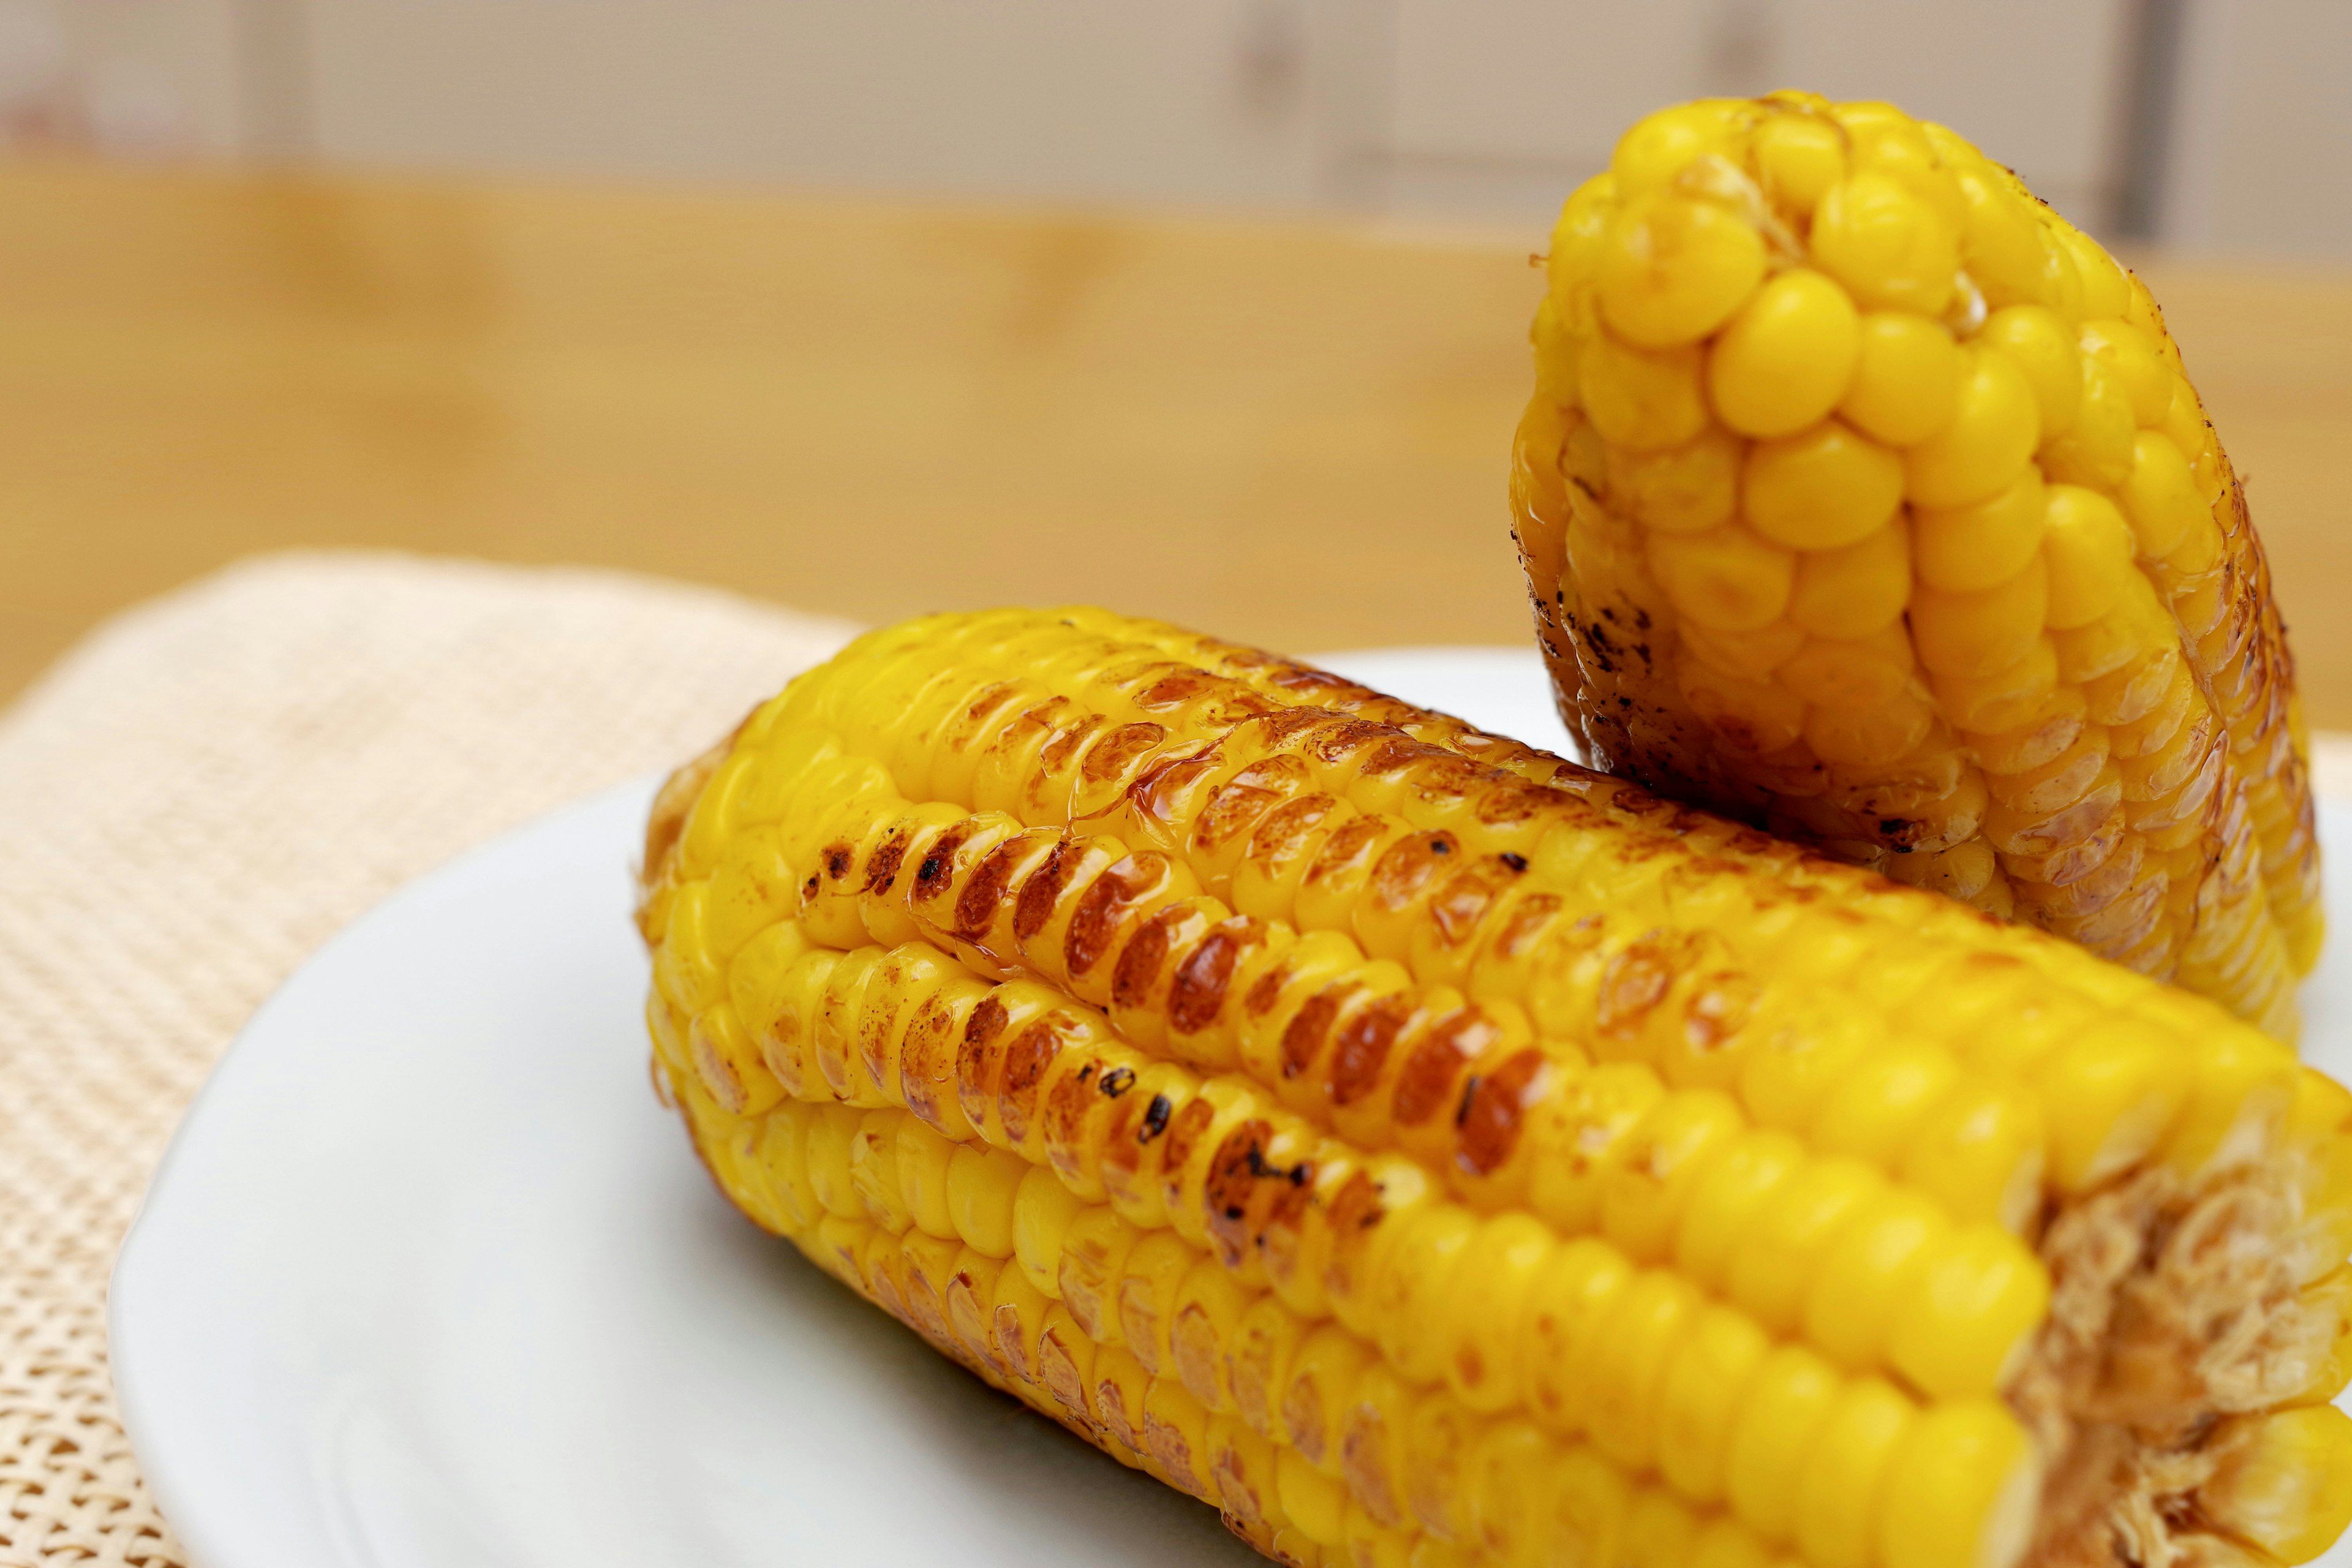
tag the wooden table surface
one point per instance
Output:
(1290, 433)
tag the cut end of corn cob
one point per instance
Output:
(1864, 499)
(1429, 1152)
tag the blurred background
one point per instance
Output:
(1210, 308)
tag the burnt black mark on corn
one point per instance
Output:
(1155, 1118)
(1117, 1081)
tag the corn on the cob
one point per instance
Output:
(1864, 499)
(1429, 1152)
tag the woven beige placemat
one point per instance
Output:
(190, 803)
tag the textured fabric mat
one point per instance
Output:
(195, 799)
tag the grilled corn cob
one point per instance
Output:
(1429, 1152)
(1863, 498)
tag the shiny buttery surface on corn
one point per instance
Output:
(1429, 1152)
(1863, 498)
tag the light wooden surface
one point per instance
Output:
(1290, 433)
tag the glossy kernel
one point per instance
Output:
(2088, 547)
(1823, 488)
(1674, 268)
(1991, 437)
(1891, 249)
(2036, 341)
(1907, 379)
(1726, 579)
(1784, 361)
(1967, 548)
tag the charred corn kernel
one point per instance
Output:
(1673, 267)
(1452, 1206)
(2037, 341)
(1906, 378)
(2087, 547)
(1641, 399)
(1819, 488)
(2285, 1481)
(1726, 579)
(1968, 548)
(1987, 442)
(1961, 1492)
(1842, 1486)
(1786, 359)
(1684, 489)
(1891, 249)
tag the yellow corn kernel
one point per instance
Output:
(1043, 1211)
(2038, 342)
(827, 1146)
(1988, 441)
(1973, 635)
(1557, 354)
(1846, 1473)
(2285, 1483)
(2159, 495)
(981, 1186)
(1789, 1400)
(1854, 590)
(1643, 1194)
(1700, 1399)
(1968, 549)
(1739, 1177)
(874, 1169)
(1979, 1150)
(1684, 489)
(2111, 1096)
(1094, 1259)
(1577, 239)
(1785, 360)
(1146, 1300)
(1500, 1270)
(1962, 1491)
(1660, 1532)
(1819, 488)
(2106, 291)
(2099, 450)
(1970, 1314)
(1799, 159)
(1905, 385)
(2087, 546)
(2133, 363)
(1624, 1352)
(1674, 268)
(1747, 716)
(1577, 1290)
(1773, 1270)
(1662, 145)
(1862, 674)
(1726, 579)
(1868, 1271)
(1891, 249)
(1641, 399)
(1209, 1309)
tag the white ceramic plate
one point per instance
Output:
(428, 1279)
